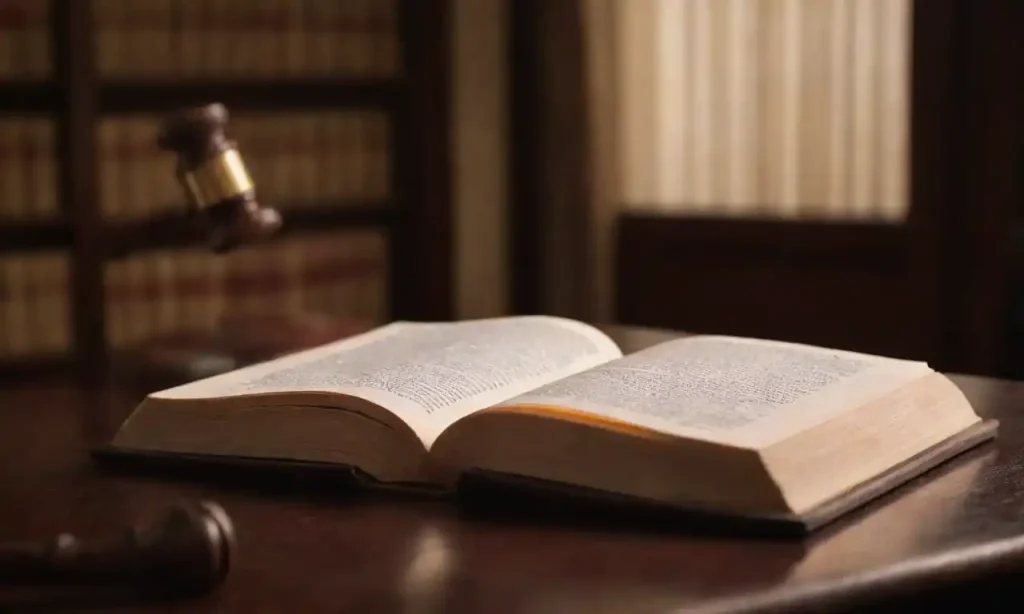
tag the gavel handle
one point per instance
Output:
(174, 228)
(62, 560)
(212, 229)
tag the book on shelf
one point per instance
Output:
(164, 294)
(35, 319)
(266, 39)
(743, 428)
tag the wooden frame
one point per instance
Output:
(548, 163)
(419, 217)
(985, 333)
(424, 277)
(525, 115)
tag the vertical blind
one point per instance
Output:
(794, 109)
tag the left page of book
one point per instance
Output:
(427, 374)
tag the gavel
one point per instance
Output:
(188, 550)
(222, 206)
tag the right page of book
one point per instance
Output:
(736, 391)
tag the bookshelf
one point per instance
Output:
(80, 94)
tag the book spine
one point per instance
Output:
(189, 35)
(16, 323)
(37, 60)
(334, 175)
(43, 173)
(34, 316)
(8, 43)
(15, 187)
(115, 305)
(295, 43)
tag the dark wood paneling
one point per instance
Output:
(991, 171)
(422, 258)
(73, 53)
(550, 188)
(525, 117)
(938, 89)
(828, 284)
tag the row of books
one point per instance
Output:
(25, 40)
(159, 39)
(341, 273)
(35, 314)
(323, 158)
(28, 182)
(265, 38)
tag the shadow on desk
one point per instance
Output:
(480, 498)
(58, 599)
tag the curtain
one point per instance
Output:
(785, 109)
(782, 108)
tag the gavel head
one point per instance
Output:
(216, 182)
(189, 548)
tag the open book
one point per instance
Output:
(733, 425)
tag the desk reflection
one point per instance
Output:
(910, 525)
(426, 577)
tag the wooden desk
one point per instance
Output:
(338, 553)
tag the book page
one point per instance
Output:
(730, 390)
(429, 374)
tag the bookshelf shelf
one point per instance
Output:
(28, 97)
(25, 367)
(275, 94)
(298, 219)
(29, 235)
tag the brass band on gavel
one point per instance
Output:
(220, 178)
(215, 180)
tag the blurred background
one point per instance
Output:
(837, 172)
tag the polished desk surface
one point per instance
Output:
(336, 553)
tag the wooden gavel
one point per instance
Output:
(188, 550)
(223, 210)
